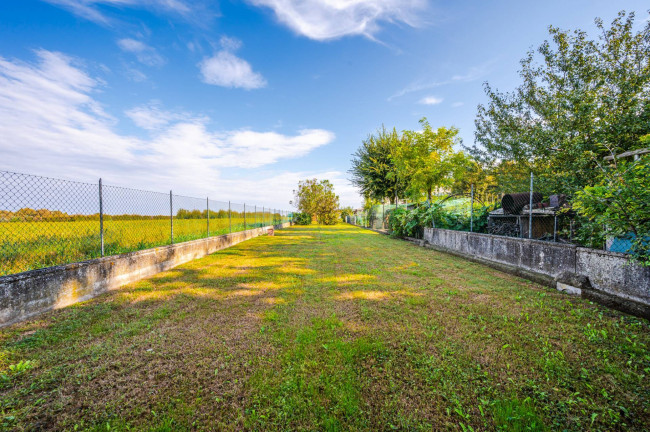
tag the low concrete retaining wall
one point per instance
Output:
(30, 293)
(614, 280)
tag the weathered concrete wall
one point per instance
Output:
(550, 259)
(614, 274)
(615, 280)
(30, 293)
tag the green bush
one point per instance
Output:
(302, 218)
(345, 212)
(329, 218)
(411, 223)
(618, 206)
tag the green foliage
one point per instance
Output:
(620, 202)
(373, 170)
(426, 160)
(317, 198)
(583, 100)
(302, 218)
(517, 416)
(410, 223)
(345, 212)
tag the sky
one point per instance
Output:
(240, 99)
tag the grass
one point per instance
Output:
(330, 328)
(28, 245)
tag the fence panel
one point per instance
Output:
(219, 219)
(190, 218)
(46, 221)
(135, 219)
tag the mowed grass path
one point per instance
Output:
(331, 328)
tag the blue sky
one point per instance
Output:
(240, 99)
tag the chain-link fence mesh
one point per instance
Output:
(47, 221)
(536, 213)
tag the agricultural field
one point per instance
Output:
(28, 245)
(328, 328)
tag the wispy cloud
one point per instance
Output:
(145, 54)
(457, 104)
(94, 10)
(472, 74)
(331, 19)
(227, 70)
(431, 100)
(49, 117)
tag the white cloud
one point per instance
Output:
(52, 125)
(92, 9)
(431, 100)
(144, 53)
(457, 104)
(227, 70)
(135, 75)
(330, 19)
(152, 117)
(474, 73)
(230, 43)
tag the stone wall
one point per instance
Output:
(30, 293)
(613, 278)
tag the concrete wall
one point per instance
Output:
(614, 279)
(30, 293)
(613, 273)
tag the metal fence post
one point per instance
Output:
(530, 210)
(263, 216)
(101, 217)
(229, 219)
(171, 217)
(255, 217)
(471, 211)
(244, 216)
(207, 207)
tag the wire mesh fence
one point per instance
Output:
(537, 214)
(46, 221)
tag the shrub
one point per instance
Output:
(329, 218)
(302, 218)
(345, 212)
(411, 223)
(620, 203)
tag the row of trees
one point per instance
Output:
(580, 100)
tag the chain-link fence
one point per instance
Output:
(47, 221)
(537, 213)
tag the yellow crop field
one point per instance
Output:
(28, 245)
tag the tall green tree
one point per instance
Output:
(427, 160)
(579, 100)
(373, 170)
(317, 198)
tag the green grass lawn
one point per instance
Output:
(335, 328)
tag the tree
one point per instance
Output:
(317, 198)
(427, 159)
(620, 202)
(584, 99)
(373, 170)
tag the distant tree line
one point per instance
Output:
(44, 215)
